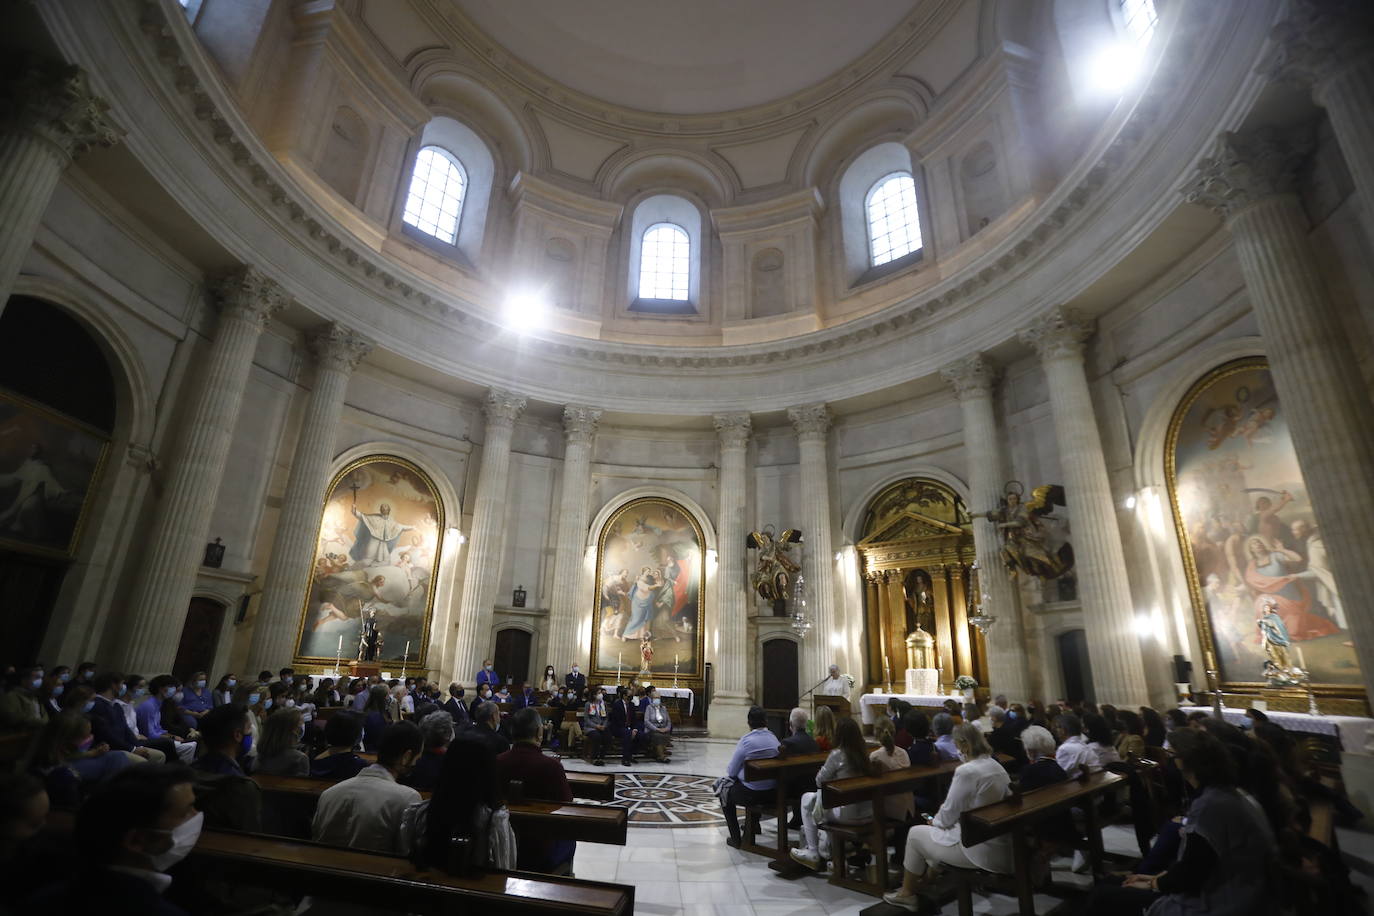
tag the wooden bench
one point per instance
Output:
(591, 786)
(554, 820)
(873, 789)
(1017, 814)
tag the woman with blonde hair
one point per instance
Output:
(253, 695)
(825, 729)
(280, 753)
(979, 780)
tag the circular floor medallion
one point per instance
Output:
(667, 800)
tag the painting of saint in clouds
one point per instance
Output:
(1252, 535)
(378, 549)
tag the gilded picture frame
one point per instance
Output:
(377, 554)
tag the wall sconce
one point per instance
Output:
(214, 555)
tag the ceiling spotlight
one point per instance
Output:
(526, 310)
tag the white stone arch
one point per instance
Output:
(453, 509)
(614, 504)
(854, 515)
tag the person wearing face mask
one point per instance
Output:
(280, 753)
(486, 720)
(110, 727)
(338, 760)
(365, 812)
(286, 677)
(484, 695)
(376, 716)
(66, 745)
(979, 780)
(224, 690)
(456, 707)
(129, 834)
(252, 696)
(594, 723)
(549, 682)
(566, 728)
(576, 681)
(20, 708)
(85, 673)
(542, 778)
(230, 800)
(50, 694)
(487, 675)
(196, 698)
(658, 725)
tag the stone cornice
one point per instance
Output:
(55, 102)
(1059, 333)
(502, 406)
(601, 216)
(580, 422)
(733, 429)
(1249, 167)
(337, 348)
(973, 376)
(771, 214)
(1320, 40)
(248, 294)
(811, 421)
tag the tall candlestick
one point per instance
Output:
(341, 644)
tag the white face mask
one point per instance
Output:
(184, 840)
(574, 669)
(290, 702)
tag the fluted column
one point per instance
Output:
(484, 544)
(973, 380)
(730, 704)
(337, 352)
(175, 542)
(48, 116)
(1328, 46)
(568, 605)
(812, 423)
(1108, 616)
(1251, 183)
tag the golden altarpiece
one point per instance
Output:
(916, 552)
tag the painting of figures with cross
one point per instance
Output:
(371, 590)
(650, 568)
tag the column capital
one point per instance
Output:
(503, 406)
(249, 294)
(811, 421)
(336, 347)
(1248, 168)
(579, 423)
(733, 429)
(55, 101)
(974, 376)
(1319, 40)
(1057, 334)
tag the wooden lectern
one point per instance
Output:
(838, 705)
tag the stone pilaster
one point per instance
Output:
(812, 423)
(337, 352)
(48, 116)
(1328, 46)
(568, 605)
(1250, 183)
(730, 705)
(473, 642)
(973, 380)
(1058, 337)
(175, 541)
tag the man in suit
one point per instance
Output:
(618, 723)
(109, 726)
(486, 718)
(488, 675)
(455, 706)
(796, 743)
(576, 680)
(542, 778)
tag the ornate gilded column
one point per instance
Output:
(812, 423)
(730, 705)
(1328, 45)
(48, 117)
(877, 597)
(337, 352)
(1058, 337)
(481, 575)
(894, 630)
(568, 604)
(1251, 183)
(175, 541)
(973, 380)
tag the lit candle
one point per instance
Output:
(674, 659)
(341, 644)
(407, 655)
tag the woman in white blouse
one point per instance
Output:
(979, 780)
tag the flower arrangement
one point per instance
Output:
(850, 679)
(964, 682)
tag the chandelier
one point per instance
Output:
(801, 624)
(978, 610)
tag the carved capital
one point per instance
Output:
(141, 458)
(1249, 167)
(811, 421)
(336, 347)
(248, 294)
(972, 376)
(733, 429)
(579, 423)
(502, 406)
(1057, 334)
(55, 102)
(1320, 40)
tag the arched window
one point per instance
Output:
(665, 263)
(435, 202)
(1140, 19)
(894, 225)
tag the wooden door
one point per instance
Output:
(779, 675)
(28, 591)
(1076, 666)
(512, 656)
(200, 636)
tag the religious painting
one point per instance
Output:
(1257, 561)
(650, 570)
(371, 591)
(48, 468)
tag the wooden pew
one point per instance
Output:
(1020, 812)
(13, 747)
(591, 786)
(873, 789)
(555, 820)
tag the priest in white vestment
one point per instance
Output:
(835, 685)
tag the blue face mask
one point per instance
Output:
(140, 692)
(200, 685)
(253, 699)
(90, 704)
(57, 691)
(232, 683)
(122, 690)
(178, 696)
(246, 744)
(64, 678)
(36, 683)
(169, 692)
(287, 680)
(267, 703)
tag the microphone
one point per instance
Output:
(813, 689)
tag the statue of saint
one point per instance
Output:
(1278, 666)
(646, 654)
(1025, 537)
(775, 567)
(370, 642)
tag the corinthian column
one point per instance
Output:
(48, 116)
(176, 539)
(569, 604)
(1113, 647)
(1328, 45)
(1251, 183)
(337, 353)
(484, 545)
(973, 380)
(730, 705)
(812, 423)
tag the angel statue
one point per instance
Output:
(1025, 536)
(775, 567)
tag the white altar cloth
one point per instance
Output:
(680, 693)
(1351, 731)
(869, 700)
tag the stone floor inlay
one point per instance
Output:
(667, 800)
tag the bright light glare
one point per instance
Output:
(1130, 502)
(526, 310)
(1143, 625)
(1116, 67)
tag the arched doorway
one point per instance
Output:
(56, 432)
(512, 655)
(199, 637)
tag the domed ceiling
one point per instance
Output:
(688, 58)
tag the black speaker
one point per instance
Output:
(1183, 670)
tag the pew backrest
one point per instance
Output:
(840, 792)
(1023, 809)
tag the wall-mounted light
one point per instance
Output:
(1130, 502)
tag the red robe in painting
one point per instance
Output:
(1295, 603)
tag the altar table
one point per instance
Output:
(869, 700)
(680, 693)
(1351, 732)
